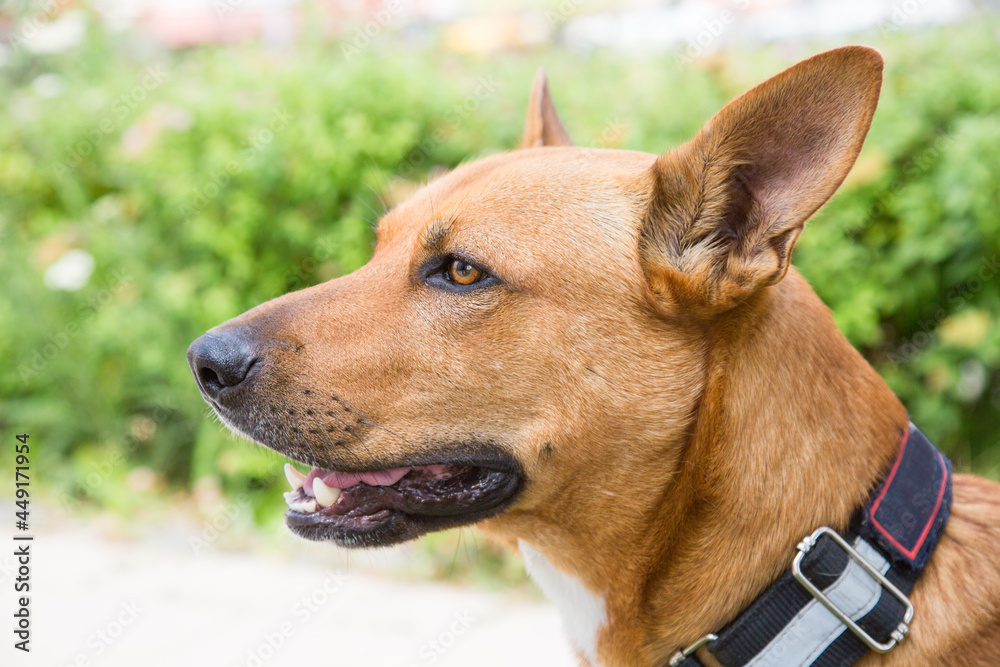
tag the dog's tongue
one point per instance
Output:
(343, 480)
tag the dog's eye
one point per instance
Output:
(463, 273)
(455, 274)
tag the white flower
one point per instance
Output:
(70, 272)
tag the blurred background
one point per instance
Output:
(165, 165)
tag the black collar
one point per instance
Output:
(846, 595)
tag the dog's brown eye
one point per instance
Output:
(463, 273)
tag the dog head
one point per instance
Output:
(531, 336)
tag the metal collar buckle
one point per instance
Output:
(678, 658)
(897, 635)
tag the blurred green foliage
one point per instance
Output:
(205, 182)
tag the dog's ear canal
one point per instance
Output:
(726, 208)
(543, 127)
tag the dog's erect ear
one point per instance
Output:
(726, 208)
(543, 127)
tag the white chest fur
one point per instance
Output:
(582, 611)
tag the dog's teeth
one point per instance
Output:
(294, 477)
(325, 496)
(305, 506)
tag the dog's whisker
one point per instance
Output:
(297, 429)
(364, 418)
(378, 196)
(378, 170)
(350, 429)
(373, 221)
(472, 560)
(454, 556)
(333, 445)
(385, 184)
(347, 427)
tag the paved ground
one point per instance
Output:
(155, 602)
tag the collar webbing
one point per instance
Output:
(846, 595)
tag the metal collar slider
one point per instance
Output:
(806, 545)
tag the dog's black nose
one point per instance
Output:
(221, 360)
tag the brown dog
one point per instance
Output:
(604, 357)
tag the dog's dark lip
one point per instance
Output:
(381, 516)
(471, 455)
(499, 479)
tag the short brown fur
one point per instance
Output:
(682, 403)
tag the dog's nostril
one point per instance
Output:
(221, 360)
(209, 378)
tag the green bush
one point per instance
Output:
(908, 254)
(202, 184)
(205, 182)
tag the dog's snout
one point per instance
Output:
(221, 360)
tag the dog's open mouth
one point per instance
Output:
(391, 505)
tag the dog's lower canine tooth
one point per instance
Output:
(325, 496)
(294, 477)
